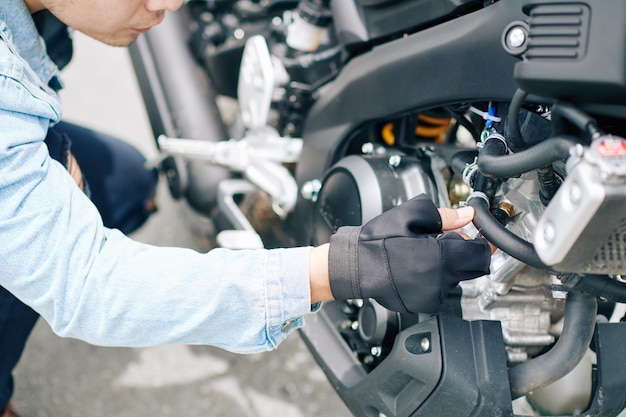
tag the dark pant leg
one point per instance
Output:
(119, 186)
(16, 322)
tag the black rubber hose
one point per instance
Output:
(580, 119)
(549, 184)
(461, 120)
(504, 239)
(601, 286)
(538, 156)
(515, 133)
(578, 327)
(461, 160)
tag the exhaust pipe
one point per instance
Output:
(180, 102)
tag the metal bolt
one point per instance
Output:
(394, 160)
(239, 34)
(355, 326)
(578, 150)
(346, 324)
(376, 351)
(516, 37)
(575, 193)
(290, 128)
(425, 344)
(311, 189)
(206, 16)
(367, 148)
(357, 302)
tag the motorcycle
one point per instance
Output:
(279, 121)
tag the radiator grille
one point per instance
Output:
(610, 258)
(558, 32)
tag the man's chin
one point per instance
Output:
(117, 40)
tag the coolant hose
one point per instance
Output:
(567, 352)
(600, 286)
(514, 129)
(539, 156)
(566, 111)
(504, 239)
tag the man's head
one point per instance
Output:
(114, 22)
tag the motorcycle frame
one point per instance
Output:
(466, 53)
(367, 88)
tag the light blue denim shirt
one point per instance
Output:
(95, 284)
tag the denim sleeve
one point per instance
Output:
(95, 284)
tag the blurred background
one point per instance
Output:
(65, 377)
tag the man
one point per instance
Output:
(113, 175)
(94, 283)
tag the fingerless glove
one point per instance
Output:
(401, 260)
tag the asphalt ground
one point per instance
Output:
(65, 377)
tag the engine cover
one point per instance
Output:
(358, 188)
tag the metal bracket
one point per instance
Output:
(259, 156)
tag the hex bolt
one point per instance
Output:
(516, 37)
(394, 160)
(346, 324)
(376, 351)
(310, 190)
(425, 344)
(367, 148)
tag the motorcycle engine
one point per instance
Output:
(359, 187)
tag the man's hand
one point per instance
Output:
(74, 169)
(452, 219)
(400, 258)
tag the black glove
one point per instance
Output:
(394, 259)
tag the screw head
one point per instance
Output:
(575, 193)
(425, 344)
(310, 190)
(516, 37)
(239, 34)
(394, 160)
(367, 148)
(376, 351)
(549, 232)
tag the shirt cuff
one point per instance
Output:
(288, 291)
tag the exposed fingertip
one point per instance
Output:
(465, 213)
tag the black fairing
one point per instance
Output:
(572, 54)
(443, 366)
(466, 55)
(463, 371)
(359, 22)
